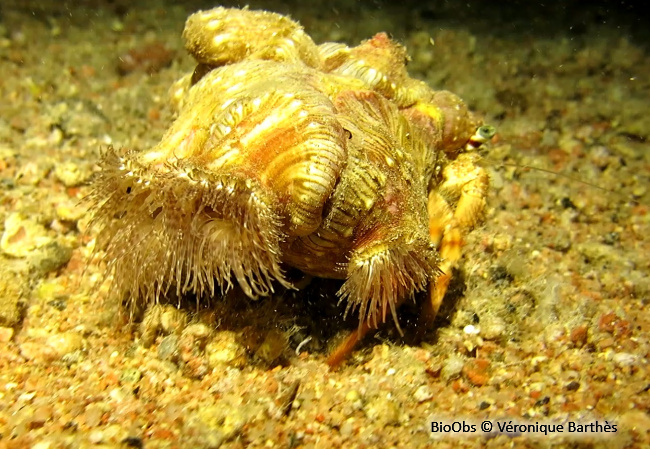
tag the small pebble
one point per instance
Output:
(168, 348)
(93, 414)
(452, 367)
(6, 334)
(22, 236)
(135, 442)
(383, 411)
(42, 445)
(70, 211)
(347, 428)
(65, 343)
(120, 394)
(537, 386)
(353, 397)
(225, 350)
(96, 436)
(483, 405)
(130, 376)
(172, 320)
(51, 257)
(572, 386)
(492, 328)
(197, 330)
(36, 351)
(560, 240)
(12, 288)
(72, 357)
(71, 174)
(59, 302)
(624, 359)
(579, 335)
(55, 347)
(219, 422)
(423, 393)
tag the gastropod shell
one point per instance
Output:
(284, 153)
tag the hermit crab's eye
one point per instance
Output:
(487, 132)
(483, 134)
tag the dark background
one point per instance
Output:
(518, 17)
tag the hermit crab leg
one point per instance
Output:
(344, 348)
(466, 181)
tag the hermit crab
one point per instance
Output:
(324, 158)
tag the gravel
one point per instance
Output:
(547, 320)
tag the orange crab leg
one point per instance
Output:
(464, 179)
(344, 348)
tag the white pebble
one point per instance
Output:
(423, 393)
(624, 359)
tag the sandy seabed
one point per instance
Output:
(546, 324)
